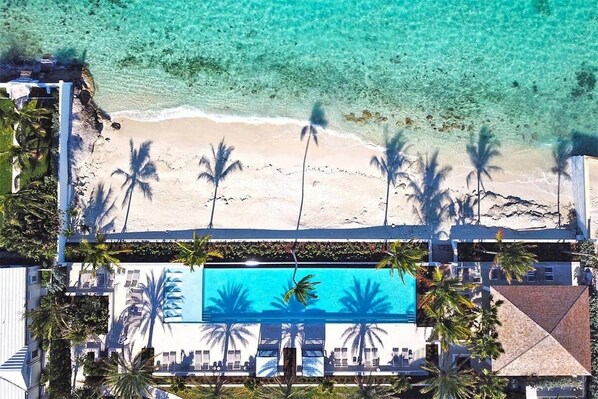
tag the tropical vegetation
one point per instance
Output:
(129, 378)
(220, 167)
(98, 255)
(236, 251)
(404, 258)
(196, 253)
(30, 222)
(515, 258)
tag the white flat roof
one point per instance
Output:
(13, 347)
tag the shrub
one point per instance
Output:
(59, 369)
(588, 248)
(91, 312)
(30, 221)
(263, 251)
(555, 252)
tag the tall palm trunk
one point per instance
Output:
(131, 189)
(303, 182)
(300, 209)
(558, 197)
(479, 197)
(226, 339)
(213, 206)
(386, 206)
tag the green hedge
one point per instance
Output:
(59, 369)
(263, 251)
(553, 252)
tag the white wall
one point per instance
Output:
(581, 192)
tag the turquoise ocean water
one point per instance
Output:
(526, 67)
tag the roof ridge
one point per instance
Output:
(536, 323)
(532, 346)
(566, 313)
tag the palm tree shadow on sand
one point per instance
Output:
(480, 156)
(431, 201)
(141, 170)
(462, 210)
(231, 300)
(220, 167)
(364, 301)
(97, 215)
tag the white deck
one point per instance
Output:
(176, 344)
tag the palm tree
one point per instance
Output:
(30, 199)
(445, 294)
(484, 343)
(97, 255)
(27, 152)
(560, 154)
(490, 385)
(196, 254)
(141, 169)
(48, 320)
(391, 164)
(292, 330)
(316, 119)
(368, 388)
(480, 156)
(445, 304)
(231, 300)
(216, 389)
(129, 379)
(364, 301)
(448, 382)
(303, 290)
(448, 329)
(221, 168)
(433, 201)
(404, 258)
(515, 259)
(29, 117)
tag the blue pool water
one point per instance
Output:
(252, 295)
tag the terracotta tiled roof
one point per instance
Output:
(545, 330)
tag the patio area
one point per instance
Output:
(136, 308)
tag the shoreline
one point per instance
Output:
(342, 189)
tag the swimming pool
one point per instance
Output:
(254, 295)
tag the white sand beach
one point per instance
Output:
(341, 188)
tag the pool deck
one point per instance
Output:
(402, 347)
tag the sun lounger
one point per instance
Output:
(135, 278)
(405, 356)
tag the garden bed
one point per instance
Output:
(260, 251)
(546, 252)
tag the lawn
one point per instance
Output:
(5, 166)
